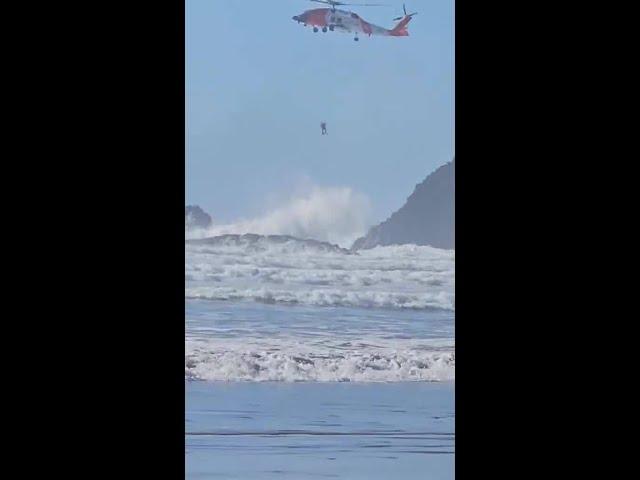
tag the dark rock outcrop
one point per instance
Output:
(427, 217)
(258, 243)
(195, 217)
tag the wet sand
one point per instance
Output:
(320, 430)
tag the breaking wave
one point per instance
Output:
(286, 270)
(326, 297)
(330, 214)
(283, 361)
(378, 315)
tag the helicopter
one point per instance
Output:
(333, 19)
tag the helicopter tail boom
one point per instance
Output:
(400, 30)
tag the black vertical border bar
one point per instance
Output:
(463, 138)
(180, 126)
(164, 92)
(490, 256)
(108, 191)
(460, 234)
(165, 102)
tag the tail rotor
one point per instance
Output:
(405, 14)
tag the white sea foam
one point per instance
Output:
(392, 315)
(289, 360)
(294, 272)
(331, 214)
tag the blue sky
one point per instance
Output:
(258, 85)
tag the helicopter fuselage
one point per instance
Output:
(347, 22)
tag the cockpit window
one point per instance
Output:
(354, 15)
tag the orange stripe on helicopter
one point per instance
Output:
(366, 28)
(316, 17)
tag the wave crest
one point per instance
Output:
(291, 271)
(330, 214)
(364, 364)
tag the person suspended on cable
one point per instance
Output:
(323, 126)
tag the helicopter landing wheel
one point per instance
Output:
(315, 29)
(331, 27)
(324, 29)
(356, 39)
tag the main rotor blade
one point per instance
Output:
(338, 4)
(409, 15)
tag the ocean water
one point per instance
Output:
(304, 273)
(307, 361)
